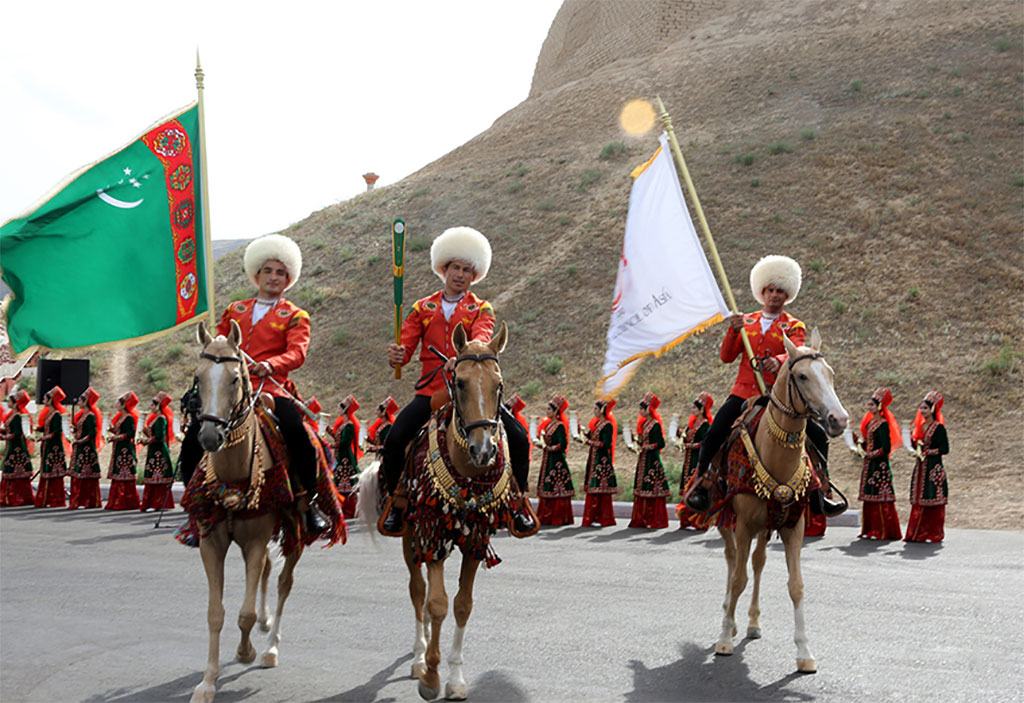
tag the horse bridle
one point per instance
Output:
(794, 386)
(458, 421)
(240, 410)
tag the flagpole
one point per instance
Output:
(207, 242)
(667, 122)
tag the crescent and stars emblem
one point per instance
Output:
(106, 197)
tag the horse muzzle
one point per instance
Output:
(833, 423)
(483, 453)
(212, 434)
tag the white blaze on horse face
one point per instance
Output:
(480, 395)
(216, 370)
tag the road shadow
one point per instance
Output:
(615, 535)
(369, 690)
(179, 689)
(699, 675)
(917, 551)
(495, 686)
(859, 547)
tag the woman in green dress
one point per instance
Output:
(600, 482)
(929, 490)
(158, 473)
(697, 425)
(16, 480)
(53, 459)
(879, 436)
(121, 472)
(346, 454)
(85, 461)
(554, 484)
(650, 485)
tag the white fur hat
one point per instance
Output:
(779, 271)
(464, 244)
(274, 246)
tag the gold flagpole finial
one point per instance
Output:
(207, 241)
(199, 72)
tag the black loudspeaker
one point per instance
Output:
(72, 375)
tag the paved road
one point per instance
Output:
(96, 606)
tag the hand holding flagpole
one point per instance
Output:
(398, 259)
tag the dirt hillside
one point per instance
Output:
(878, 143)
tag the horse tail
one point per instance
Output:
(368, 506)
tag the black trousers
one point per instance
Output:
(301, 468)
(722, 424)
(416, 414)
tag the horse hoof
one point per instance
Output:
(427, 693)
(203, 693)
(455, 692)
(723, 649)
(753, 633)
(268, 660)
(806, 666)
(246, 656)
(418, 670)
(265, 625)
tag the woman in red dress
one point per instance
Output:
(85, 461)
(929, 491)
(16, 480)
(124, 495)
(53, 461)
(879, 435)
(600, 483)
(554, 483)
(650, 485)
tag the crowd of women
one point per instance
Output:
(78, 457)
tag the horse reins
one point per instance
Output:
(462, 429)
(241, 410)
(794, 386)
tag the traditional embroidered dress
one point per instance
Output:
(123, 493)
(600, 482)
(650, 485)
(929, 491)
(85, 462)
(16, 480)
(346, 456)
(697, 425)
(554, 483)
(878, 512)
(53, 462)
(158, 473)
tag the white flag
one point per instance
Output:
(665, 290)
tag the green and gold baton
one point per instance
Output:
(398, 259)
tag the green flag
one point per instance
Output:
(114, 253)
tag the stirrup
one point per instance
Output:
(389, 509)
(524, 511)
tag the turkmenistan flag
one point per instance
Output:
(115, 252)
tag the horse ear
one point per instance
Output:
(202, 336)
(459, 338)
(816, 339)
(497, 343)
(235, 337)
(790, 347)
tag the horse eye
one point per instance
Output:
(235, 379)
(460, 384)
(803, 377)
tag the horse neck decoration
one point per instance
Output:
(236, 452)
(803, 389)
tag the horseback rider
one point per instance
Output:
(774, 282)
(460, 256)
(275, 334)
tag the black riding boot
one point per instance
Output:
(821, 505)
(699, 499)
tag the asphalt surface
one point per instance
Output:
(100, 606)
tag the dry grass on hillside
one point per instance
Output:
(882, 149)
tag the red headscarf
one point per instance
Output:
(883, 397)
(130, 401)
(389, 407)
(91, 396)
(21, 401)
(652, 402)
(606, 411)
(705, 402)
(515, 405)
(313, 405)
(561, 405)
(935, 399)
(56, 395)
(351, 405)
(163, 402)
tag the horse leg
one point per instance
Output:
(757, 560)
(793, 539)
(737, 583)
(456, 689)
(418, 595)
(437, 606)
(284, 588)
(255, 553)
(729, 537)
(266, 619)
(212, 549)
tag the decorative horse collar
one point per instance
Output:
(765, 484)
(481, 494)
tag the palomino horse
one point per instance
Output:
(803, 389)
(475, 455)
(237, 452)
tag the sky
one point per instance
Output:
(301, 98)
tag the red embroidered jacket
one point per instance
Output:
(769, 343)
(425, 325)
(280, 338)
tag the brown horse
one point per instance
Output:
(471, 441)
(236, 453)
(803, 389)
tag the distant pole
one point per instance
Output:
(370, 179)
(203, 179)
(667, 122)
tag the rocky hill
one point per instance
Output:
(879, 143)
